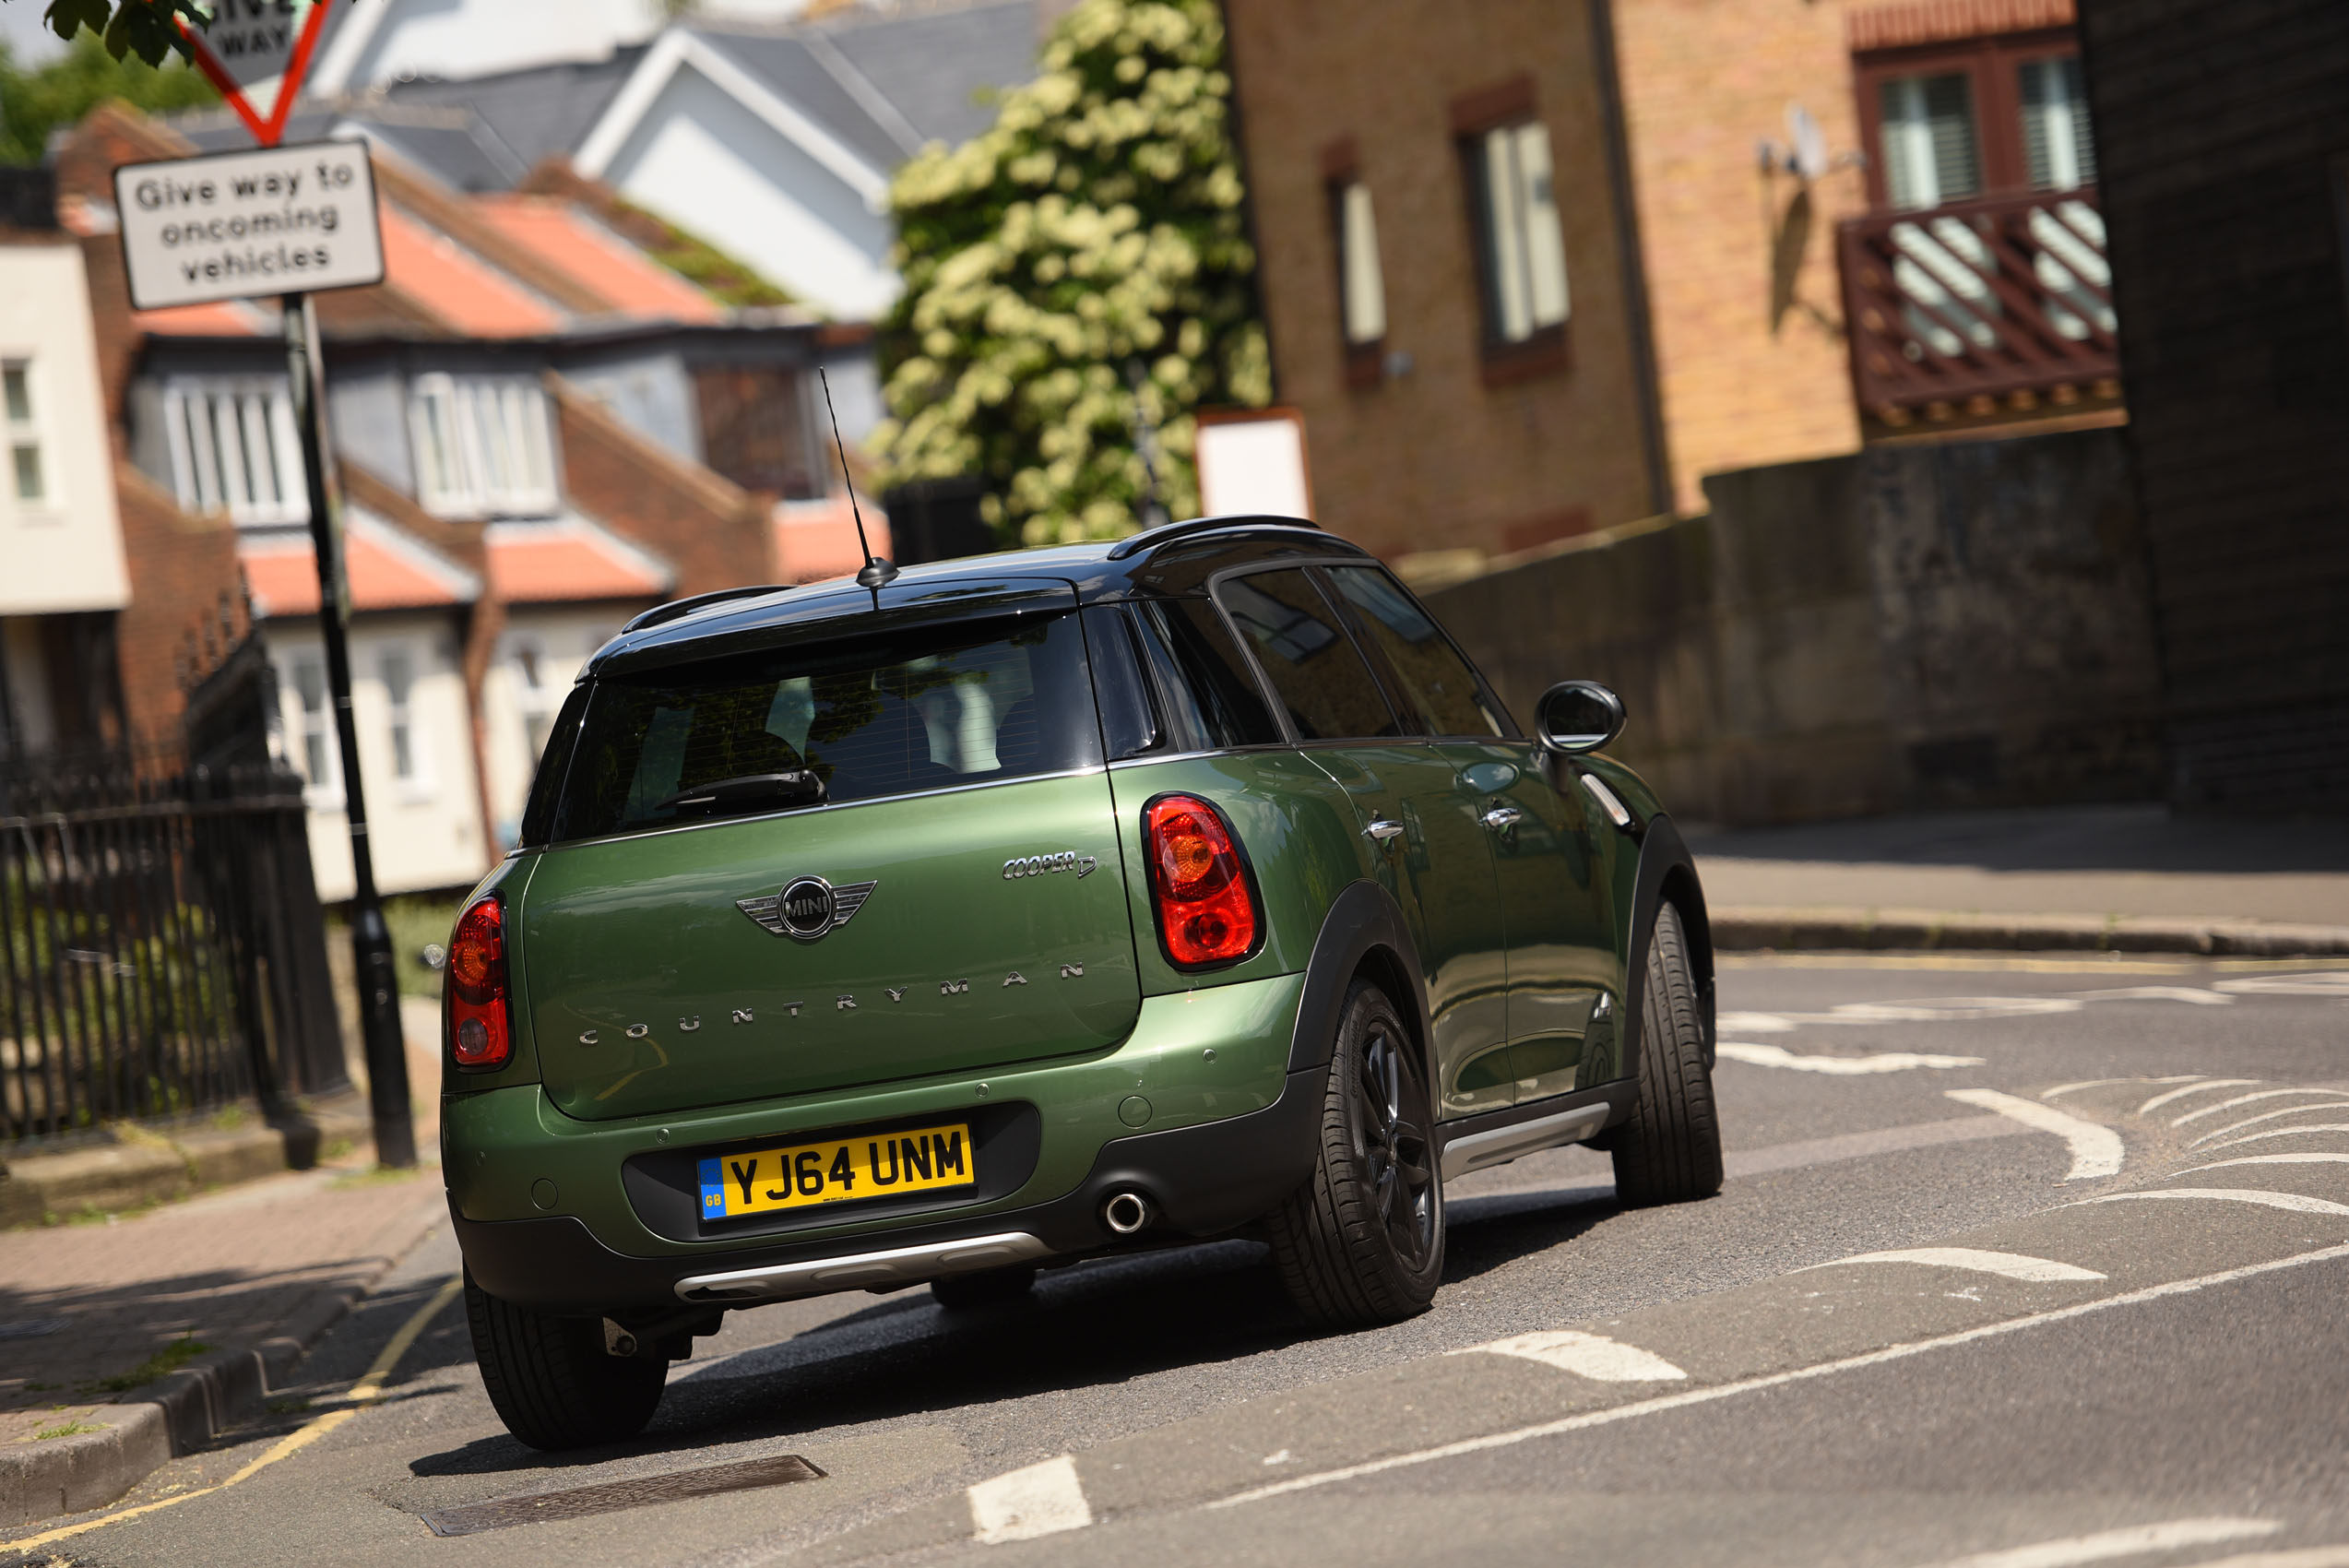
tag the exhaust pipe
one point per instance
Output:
(1126, 1212)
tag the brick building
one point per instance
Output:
(1531, 270)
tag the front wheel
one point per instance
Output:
(1361, 1243)
(551, 1381)
(1669, 1151)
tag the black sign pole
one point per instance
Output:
(370, 938)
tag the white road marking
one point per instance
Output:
(2271, 1133)
(2323, 982)
(2301, 1557)
(2196, 1087)
(1042, 1500)
(1662, 1403)
(2334, 1095)
(1278, 1456)
(2293, 1201)
(2100, 1083)
(2135, 1540)
(1592, 1356)
(1753, 1023)
(2262, 1116)
(2095, 1151)
(2013, 1265)
(2191, 993)
(2268, 1159)
(1754, 1055)
(1933, 1009)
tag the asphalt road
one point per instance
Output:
(2127, 1342)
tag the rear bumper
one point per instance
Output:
(548, 1218)
(1203, 1181)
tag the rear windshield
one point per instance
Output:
(972, 702)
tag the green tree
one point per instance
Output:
(143, 27)
(35, 103)
(1094, 234)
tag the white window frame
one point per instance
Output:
(1523, 238)
(1360, 280)
(26, 434)
(252, 468)
(403, 712)
(321, 780)
(536, 702)
(484, 446)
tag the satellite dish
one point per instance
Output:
(1810, 143)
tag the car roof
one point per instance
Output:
(1171, 560)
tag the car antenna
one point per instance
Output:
(876, 573)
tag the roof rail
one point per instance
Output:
(677, 609)
(1133, 544)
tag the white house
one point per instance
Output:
(60, 534)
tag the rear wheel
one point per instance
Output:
(1361, 1241)
(1669, 1151)
(551, 1379)
(988, 1287)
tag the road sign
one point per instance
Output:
(250, 41)
(235, 225)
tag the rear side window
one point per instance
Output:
(1314, 666)
(973, 703)
(1432, 672)
(546, 785)
(1210, 698)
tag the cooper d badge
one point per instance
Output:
(808, 908)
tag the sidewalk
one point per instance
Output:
(128, 1339)
(2130, 878)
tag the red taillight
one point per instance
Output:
(480, 1036)
(1206, 914)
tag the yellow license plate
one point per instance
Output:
(801, 1175)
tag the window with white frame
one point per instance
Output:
(397, 667)
(482, 446)
(1523, 244)
(24, 434)
(1361, 285)
(1932, 151)
(235, 448)
(2058, 150)
(314, 744)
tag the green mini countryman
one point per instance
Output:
(1041, 907)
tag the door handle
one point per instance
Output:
(1385, 830)
(1500, 819)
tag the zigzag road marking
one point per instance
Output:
(2012, 1265)
(2273, 1133)
(2268, 1159)
(2293, 1201)
(1592, 1356)
(1042, 1500)
(1837, 1066)
(2095, 1151)
(2334, 1095)
(2267, 1116)
(2161, 1100)
(2135, 1540)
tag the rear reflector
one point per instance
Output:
(1206, 911)
(481, 1034)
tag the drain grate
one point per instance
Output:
(472, 1518)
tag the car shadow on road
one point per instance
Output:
(1103, 1323)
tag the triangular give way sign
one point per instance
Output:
(249, 42)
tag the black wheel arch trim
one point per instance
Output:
(1364, 923)
(1666, 871)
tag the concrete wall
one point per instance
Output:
(1909, 626)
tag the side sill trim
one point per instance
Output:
(1477, 1150)
(897, 1265)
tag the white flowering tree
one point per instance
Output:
(1092, 239)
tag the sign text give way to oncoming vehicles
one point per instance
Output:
(238, 225)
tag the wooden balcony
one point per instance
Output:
(1980, 312)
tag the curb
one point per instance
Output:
(145, 1165)
(1753, 930)
(191, 1405)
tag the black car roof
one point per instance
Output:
(1172, 560)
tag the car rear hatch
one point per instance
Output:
(703, 930)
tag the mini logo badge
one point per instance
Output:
(807, 908)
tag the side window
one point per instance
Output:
(1434, 678)
(1211, 698)
(1314, 668)
(1129, 724)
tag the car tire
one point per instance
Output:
(551, 1381)
(1361, 1243)
(988, 1287)
(1669, 1151)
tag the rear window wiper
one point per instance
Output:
(750, 791)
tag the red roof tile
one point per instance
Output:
(558, 232)
(464, 291)
(814, 540)
(569, 558)
(225, 319)
(388, 571)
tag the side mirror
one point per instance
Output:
(1575, 716)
